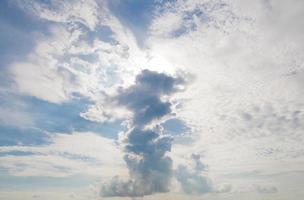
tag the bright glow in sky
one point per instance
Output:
(170, 99)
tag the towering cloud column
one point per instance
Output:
(145, 147)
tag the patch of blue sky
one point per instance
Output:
(101, 32)
(135, 14)
(54, 118)
(18, 32)
(10, 135)
(179, 130)
(65, 118)
(57, 117)
(188, 24)
(175, 127)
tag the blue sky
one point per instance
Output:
(183, 99)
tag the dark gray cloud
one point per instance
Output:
(150, 168)
(144, 97)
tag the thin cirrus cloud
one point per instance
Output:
(87, 67)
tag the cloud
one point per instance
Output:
(240, 53)
(85, 12)
(244, 54)
(144, 98)
(73, 56)
(150, 168)
(266, 189)
(191, 179)
(65, 155)
(42, 76)
(193, 183)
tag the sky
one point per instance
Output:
(151, 99)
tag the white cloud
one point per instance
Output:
(56, 68)
(42, 75)
(243, 55)
(100, 113)
(85, 12)
(79, 153)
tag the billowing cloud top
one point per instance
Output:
(144, 98)
(150, 168)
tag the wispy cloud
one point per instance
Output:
(78, 153)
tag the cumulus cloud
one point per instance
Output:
(144, 99)
(192, 183)
(150, 168)
(191, 178)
